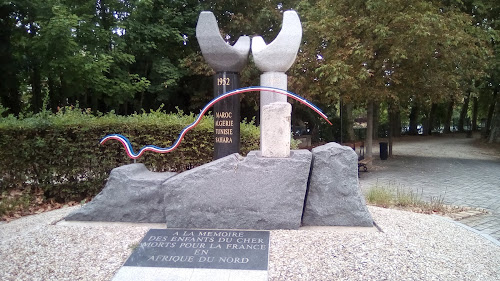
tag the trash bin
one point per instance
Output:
(383, 151)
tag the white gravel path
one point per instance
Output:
(412, 247)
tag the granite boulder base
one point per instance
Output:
(132, 194)
(334, 197)
(240, 193)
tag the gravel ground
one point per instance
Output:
(411, 247)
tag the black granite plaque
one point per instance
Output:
(226, 115)
(221, 249)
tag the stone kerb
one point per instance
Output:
(240, 193)
(132, 194)
(334, 197)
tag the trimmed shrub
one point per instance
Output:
(60, 153)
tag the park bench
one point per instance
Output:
(362, 160)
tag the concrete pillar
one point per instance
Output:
(274, 59)
(227, 61)
(275, 130)
(274, 80)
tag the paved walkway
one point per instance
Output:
(450, 168)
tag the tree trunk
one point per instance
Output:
(376, 119)
(491, 110)
(94, 101)
(390, 139)
(425, 125)
(52, 93)
(393, 111)
(10, 95)
(36, 76)
(447, 121)
(396, 122)
(474, 114)
(463, 113)
(431, 120)
(413, 120)
(36, 87)
(369, 129)
(347, 122)
(495, 130)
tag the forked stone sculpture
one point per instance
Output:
(279, 55)
(221, 56)
(227, 61)
(274, 59)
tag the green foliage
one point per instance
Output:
(136, 54)
(3, 110)
(12, 204)
(396, 195)
(60, 153)
(387, 50)
(106, 54)
(379, 196)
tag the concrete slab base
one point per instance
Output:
(133, 273)
(107, 223)
(340, 229)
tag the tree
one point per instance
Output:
(11, 96)
(486, 16)
(68, 52)
(160, 34)
(402, 52)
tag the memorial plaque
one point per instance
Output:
(215, 249)
(226, 115)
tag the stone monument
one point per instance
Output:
(227, 61)
(273, 188)
(274, 59)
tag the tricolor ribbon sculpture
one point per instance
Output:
(132, 154)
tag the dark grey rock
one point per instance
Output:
(132, 194)
(334, 197)
(240, 193)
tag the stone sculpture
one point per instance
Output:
(279, 55)
(221, 56)
(227, 61)
(274, 59)
(272, 189)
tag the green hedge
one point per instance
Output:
(60, 153)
